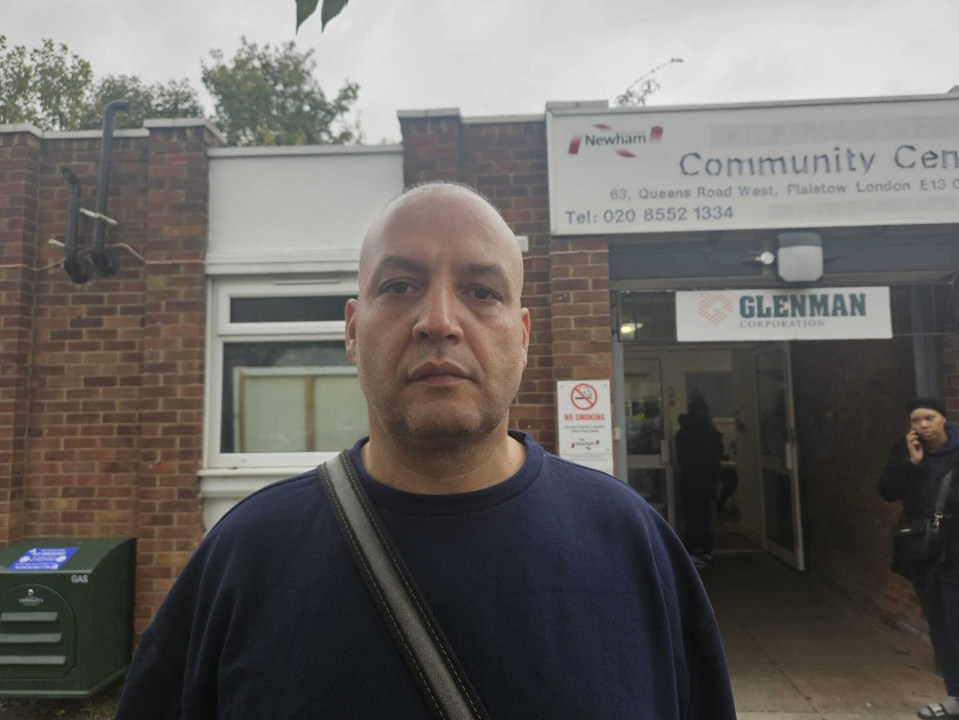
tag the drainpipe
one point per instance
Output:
(105, 260)
(78, 270)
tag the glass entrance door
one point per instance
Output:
(782, 527)
(648, 465)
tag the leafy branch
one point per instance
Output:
(331, 8)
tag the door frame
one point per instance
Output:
(624, 462)
(663, 353)
(788, 464)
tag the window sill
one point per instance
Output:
(222, 488)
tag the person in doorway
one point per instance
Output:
(562, 592)
(699, 451)
(913, 474)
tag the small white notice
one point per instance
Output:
(585, 423)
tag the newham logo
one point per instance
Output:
(619, 141)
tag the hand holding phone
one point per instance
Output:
(915, 447)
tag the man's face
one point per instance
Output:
(929, 424)
(437, 332)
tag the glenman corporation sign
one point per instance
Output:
(813, 164)
(761, 315)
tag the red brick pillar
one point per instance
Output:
(431, 145)
(579, 278)
(505, 160)
(171, 420)
(19, 169)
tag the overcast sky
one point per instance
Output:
(508, 57)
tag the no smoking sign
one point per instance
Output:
(585, 423)
(583, 396)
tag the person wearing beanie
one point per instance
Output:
(913, 475)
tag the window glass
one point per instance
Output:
(644, 399)
(318, 308)
(771, 389)
(647, 316)
(716, 388)
(281, 397)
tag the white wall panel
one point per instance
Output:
(296, 207)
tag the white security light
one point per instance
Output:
(799, 258)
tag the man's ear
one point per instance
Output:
(350, 335)
(526, 327)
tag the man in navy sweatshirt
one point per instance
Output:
(563, 594)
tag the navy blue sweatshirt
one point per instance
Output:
(562, 592)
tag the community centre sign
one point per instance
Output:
(811, 314)
(824, 163)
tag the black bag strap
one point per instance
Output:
(941, 500)
(428, 655)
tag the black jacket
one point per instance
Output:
(699, 450)
(918, 488)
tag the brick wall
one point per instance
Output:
(506, 162)
(431, 146)
(19, 163)
(82, 444)
(579, 278)
(101, 394)
(168, 509)
(848, 413)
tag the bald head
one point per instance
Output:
(445, 210)
(437, 331)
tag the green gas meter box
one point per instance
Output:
(66, 615)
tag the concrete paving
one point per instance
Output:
(798, 651)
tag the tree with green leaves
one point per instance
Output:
(173, 99)
(262, 96)
(54, 89)
(46, 86)
(268, 96)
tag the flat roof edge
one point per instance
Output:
(577, 104)
(161, 123)
(94, 134)
(430, 113)
(812, 102)
(493, 119)
(304, 150)
(20, 128)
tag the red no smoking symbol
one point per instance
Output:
(583, 396)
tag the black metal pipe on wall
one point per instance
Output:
(77, 268)
(105, 260)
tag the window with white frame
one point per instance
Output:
(281, 388)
